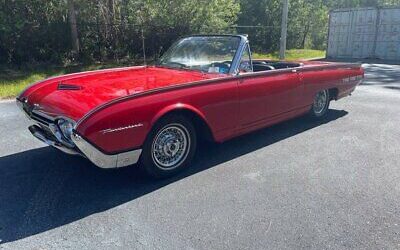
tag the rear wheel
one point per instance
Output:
(170, 147)
(320, 105)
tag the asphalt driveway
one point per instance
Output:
(298, 185)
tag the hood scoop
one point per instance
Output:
(64, 86)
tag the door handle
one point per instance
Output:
(294, 70)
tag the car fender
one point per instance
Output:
(179, 107)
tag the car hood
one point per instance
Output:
(76, 94)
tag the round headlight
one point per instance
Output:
(66, 127)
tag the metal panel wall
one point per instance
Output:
(388, 38)
(364, 33)
(339, 30)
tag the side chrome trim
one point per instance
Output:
(102, 160)
(112, 130)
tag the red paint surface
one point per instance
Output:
(230, 106)
(99, 87)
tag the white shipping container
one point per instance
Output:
(364, 33)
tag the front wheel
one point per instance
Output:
(170, 147)
(320, 105)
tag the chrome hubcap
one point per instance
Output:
(170, 146)
(320, 101)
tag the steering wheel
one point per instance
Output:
(228, 63)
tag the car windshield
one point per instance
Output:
(207, 54)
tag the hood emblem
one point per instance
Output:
(112, 130)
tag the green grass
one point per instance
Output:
(293, 54)
(13, 81)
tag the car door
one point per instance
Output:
(263, 97)
(252, 93)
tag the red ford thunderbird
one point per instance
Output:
(203, 87)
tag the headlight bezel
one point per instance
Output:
(66, 127)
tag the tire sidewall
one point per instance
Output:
(325, 110)
(147, 161)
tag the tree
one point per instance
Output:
(57, 30)
(73, 25)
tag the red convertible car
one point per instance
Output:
(203, 87)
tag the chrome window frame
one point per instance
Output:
(245, 47)
(244, 43)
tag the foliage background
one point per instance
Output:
(39, 31)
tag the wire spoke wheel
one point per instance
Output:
(320, 102)
(170, 146)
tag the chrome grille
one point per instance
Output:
(42, 119)
(35, 114)
(48, 132)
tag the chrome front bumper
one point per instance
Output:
(85, 149)
(106, 161)
(44, 129)
(40, 134)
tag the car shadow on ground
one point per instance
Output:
(43, 189)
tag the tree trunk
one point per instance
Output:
(74, 28)
(305, 34)
(124, 16)
(111, 7)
